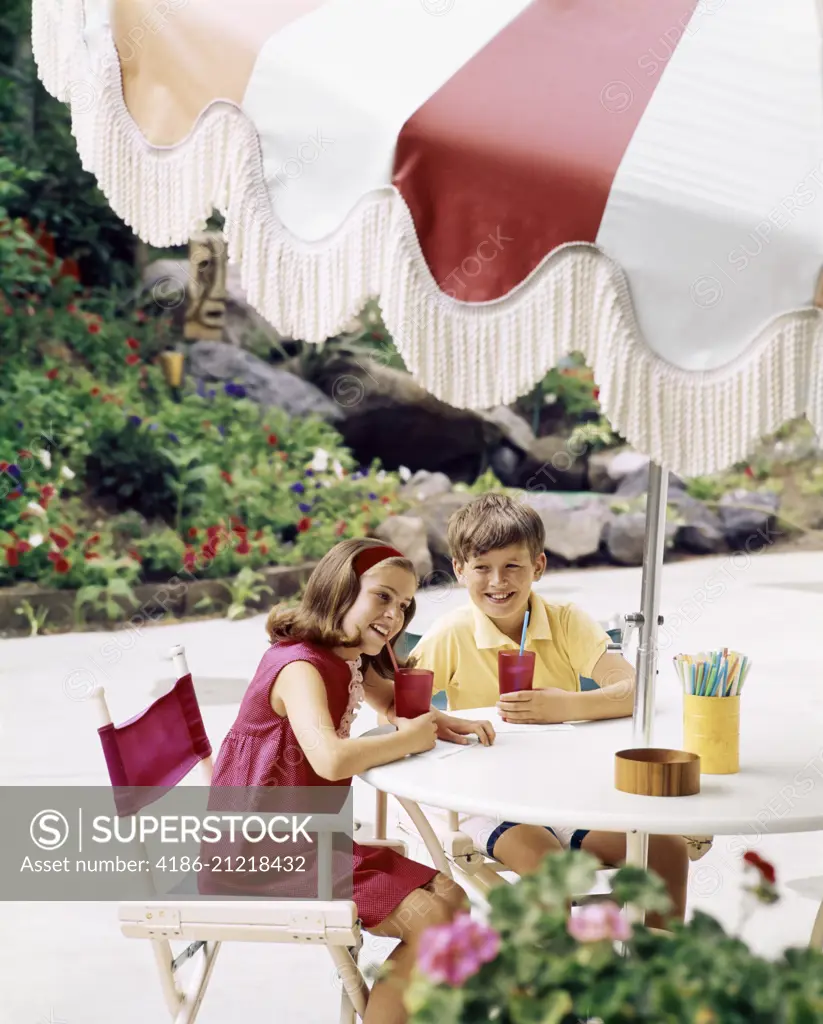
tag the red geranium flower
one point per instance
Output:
(12, 557)
(132, 360)
(304, 524)
(52, 374)
(3, 467)
(59, 540)
(89, 555)
(225, 476)
(763, 866)
(385, 500)
(749, 472)
(272, 439)
(243, 547)
(135, 555)
(95, 537)
(23, 547)
(192, 531)
(189, 558)
(263, 549)
(133, 344)
(94, 328)
(62, 566)
(212, 532)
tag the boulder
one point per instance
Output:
(435, 514)
(607, 468)
(515, 430)
(210, 361)
(424, 485)
(549, 465)
(166, 283)
(408, 534)
(636, 483)
(506, 458)
(573, 532)
(624, 537)
(243, 325)
(700, 530)
(749, 518)
(389, 416)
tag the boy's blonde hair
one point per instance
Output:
(494, 521)
(331, 590)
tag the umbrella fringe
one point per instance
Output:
(470, 355)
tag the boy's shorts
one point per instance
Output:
(484, 832)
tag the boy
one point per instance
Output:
(497, 546)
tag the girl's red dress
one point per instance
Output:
(261, 749)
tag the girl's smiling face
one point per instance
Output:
(378, 613)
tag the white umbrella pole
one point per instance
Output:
(648, 619)
(637, 843)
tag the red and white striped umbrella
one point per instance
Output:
(514, 179)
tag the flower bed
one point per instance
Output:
(109, 481)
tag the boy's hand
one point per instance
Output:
(547, 706)
(458, 730)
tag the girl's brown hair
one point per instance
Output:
(331, 590)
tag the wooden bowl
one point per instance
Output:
(654, 771)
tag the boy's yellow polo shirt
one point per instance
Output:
(461, 649)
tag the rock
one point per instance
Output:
(424, 485)
(506, 458)
(572, 532)
(504, 462)
(218, 361)
(636, 483)
(700, 530)
(166, 282)
(515, 430)
(549, 465)
(408, 534)
(435, 514)
(625, 462)
(748, 518)
(609, 467)
(244, 326)
(389, 416)
(624, 537)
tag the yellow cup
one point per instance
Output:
(711, 729)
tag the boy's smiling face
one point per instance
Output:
(500, 581)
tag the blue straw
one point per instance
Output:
(523, 636)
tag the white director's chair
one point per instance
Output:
(158, 748)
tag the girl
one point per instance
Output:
(327, 656)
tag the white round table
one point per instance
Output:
(564, 776)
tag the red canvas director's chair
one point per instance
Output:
(148, 755)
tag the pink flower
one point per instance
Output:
(598, 922)
(452, 953)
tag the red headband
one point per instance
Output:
(372, 555)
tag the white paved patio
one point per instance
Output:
(68, 962)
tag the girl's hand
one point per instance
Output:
(419, 733)
(458, 730)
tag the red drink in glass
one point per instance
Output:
(413, 688)
(515, 671)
